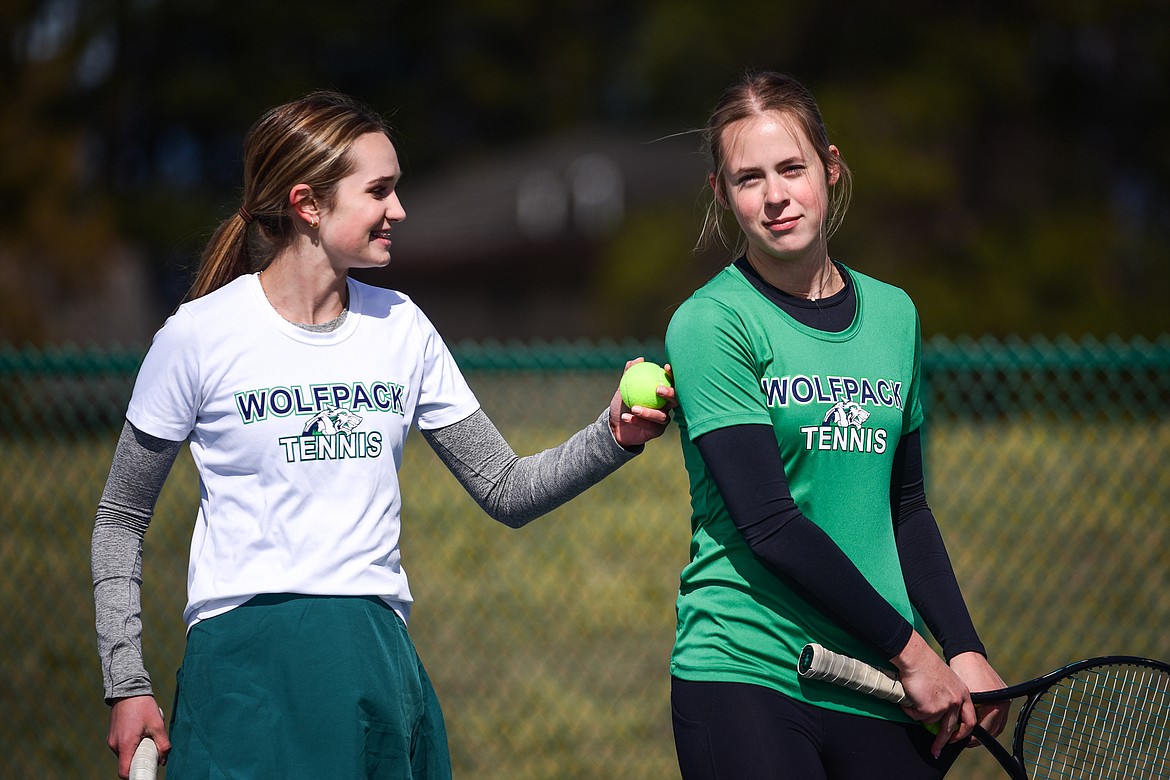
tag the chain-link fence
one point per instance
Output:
(549, 645)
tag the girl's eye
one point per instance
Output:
(793, 170)
(747, 177)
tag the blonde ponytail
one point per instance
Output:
(224, 258)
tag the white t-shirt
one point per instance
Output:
(297, 437)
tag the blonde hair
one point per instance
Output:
(306, 141)
(757, 94)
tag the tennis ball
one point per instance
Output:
(639, 384)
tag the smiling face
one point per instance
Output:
(355, 226)
(777, 187)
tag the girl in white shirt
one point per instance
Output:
(295, 387)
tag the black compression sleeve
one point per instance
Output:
(926, 567)
(745, 463)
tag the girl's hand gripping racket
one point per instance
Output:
(1103, 718)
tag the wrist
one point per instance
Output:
(913, 654)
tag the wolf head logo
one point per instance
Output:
(330, 421)
(846, 414)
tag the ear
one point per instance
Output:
(713, 181)
(834, 172)
(304, 204)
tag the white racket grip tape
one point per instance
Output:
(818, 663)
(144, 765)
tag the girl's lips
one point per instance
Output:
(782, 224)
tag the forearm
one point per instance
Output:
(926, 566)
(516, 490)
(812, 563)
(933, 587)
(117, 573)
(139, 469)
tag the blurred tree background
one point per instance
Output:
(1011, 164)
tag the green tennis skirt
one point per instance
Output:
(295, 687)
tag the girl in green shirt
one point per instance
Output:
(798, 381)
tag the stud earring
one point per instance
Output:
(315, 223)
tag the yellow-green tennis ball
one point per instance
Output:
(640, 383)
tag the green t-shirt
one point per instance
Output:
(838, 403)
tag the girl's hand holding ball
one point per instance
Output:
(640, 383)
(639, 387)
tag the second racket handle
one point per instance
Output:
(144, 765)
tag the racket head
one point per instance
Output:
(1102, 718)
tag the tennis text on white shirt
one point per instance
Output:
(334, 412)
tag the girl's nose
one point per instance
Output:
(394, 210)
(776, 193)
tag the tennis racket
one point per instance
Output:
(1100, 719)
(144, 765)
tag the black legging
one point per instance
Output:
(738, 731)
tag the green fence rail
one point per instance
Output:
(548, 646)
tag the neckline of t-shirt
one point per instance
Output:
(297, 333)
(797, 325)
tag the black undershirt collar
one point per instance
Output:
(831, 315)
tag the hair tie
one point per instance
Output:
(245, 215)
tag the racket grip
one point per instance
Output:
(819, 663)
(144, 765)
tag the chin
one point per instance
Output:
(380, 262)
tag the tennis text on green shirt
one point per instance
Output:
(843, 427)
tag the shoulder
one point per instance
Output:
(238, 289)
(371, 301)
(368, 296)
(720, 319)
(883, 294)
(391, 309)
(715, 300)
(872, 286)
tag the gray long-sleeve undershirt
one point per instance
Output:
(513, 490)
